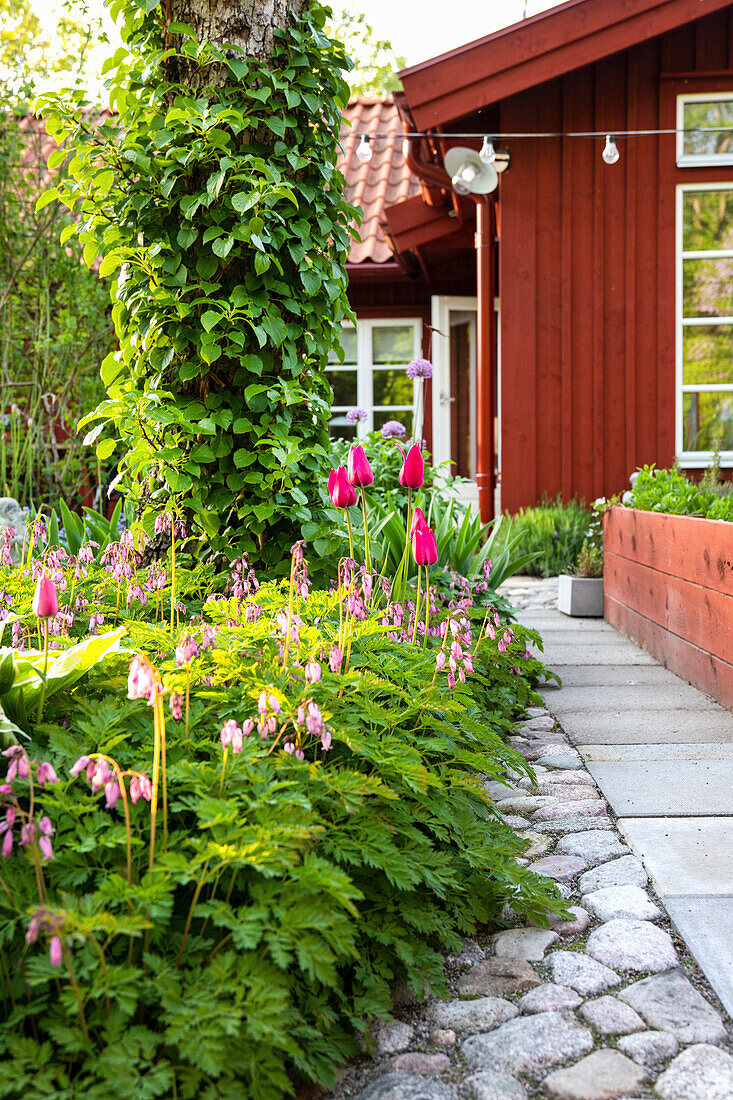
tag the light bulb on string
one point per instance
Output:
(487, 153)
(364, 149)
(610, 152)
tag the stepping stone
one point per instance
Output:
(564, 777)
(578, 924)
(514, 821)
(630, 902)
(538, 845)
(701, 1072)
(392, 1036)
(470, 954)
(671, 1003)
(581, 973)
(585, 807)
(627, 871)
(496, 790)
(565, 826)
(417, 1062)
(483, 1014)
(549, 998)
(529, 1044)
(494, 1086)
(659, 788)
(561, 868)
(609, 1016)
(537, 712)
(523, 943)
(538, 750)
(570, 760)
(706, 926)
(649, 1048)
(497, 976)
(543, 721)
(524, 803)
(632, 945)
(593, 846)
(404, 1086)
(603, 1075)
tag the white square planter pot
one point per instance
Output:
(581, 597)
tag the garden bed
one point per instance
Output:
(669, 587)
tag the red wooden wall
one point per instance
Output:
(587, 276)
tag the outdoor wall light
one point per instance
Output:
(469, 174)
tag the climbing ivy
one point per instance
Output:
(219, 207)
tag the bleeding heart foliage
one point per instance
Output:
(321, 828)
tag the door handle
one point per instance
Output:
(444, 399)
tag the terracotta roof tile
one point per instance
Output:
(382, 181)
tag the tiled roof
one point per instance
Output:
(382, 181)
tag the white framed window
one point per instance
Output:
(704, 322)
(372, 376)
(704, 128)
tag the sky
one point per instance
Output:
(418, 29)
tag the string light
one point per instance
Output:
(364, 149)
(610, 152)
(487, 153)
(392, 135)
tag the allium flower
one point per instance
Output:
(356, 416)
(55, 951)
(419, 368)
(186, 650)
(392, 429)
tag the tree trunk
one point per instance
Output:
(247, 24)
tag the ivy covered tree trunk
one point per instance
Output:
(214, 198)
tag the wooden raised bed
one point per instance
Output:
(668, 585)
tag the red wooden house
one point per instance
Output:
(581, 314)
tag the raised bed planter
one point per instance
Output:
(669, 587)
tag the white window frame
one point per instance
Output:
(696, 160)
(365, 370)
(694, 459)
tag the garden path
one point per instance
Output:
(613, 1004)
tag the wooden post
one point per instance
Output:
(485, 387)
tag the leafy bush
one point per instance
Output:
(670, 491)
(554, 532)
(284, 817)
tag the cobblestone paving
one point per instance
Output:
(606, 1006)
(530, 593)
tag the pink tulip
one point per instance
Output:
(412, 474)
(419, 522)
(340, 490)
(424, 546)
(55, 952)
(45, 599)
(359, 471)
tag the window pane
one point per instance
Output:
(339, 429)
(403, 416)
(707, 288)
(707, 220)
(348, 343)
(707, 421)
(344, 386)
(392, 344)
(707, 352)
(704, 119)
(392, 387)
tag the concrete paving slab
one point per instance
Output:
(615, 698)
(684, 856)
(607, 654)
(580, 639)
(608, 675)
(639, 727)
(667, 788)
(715, 750)
(706, 925)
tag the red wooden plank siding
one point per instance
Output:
(587, 270)
(668, 584)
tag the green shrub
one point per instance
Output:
(238, 950)
(552, 531)
(670, 491)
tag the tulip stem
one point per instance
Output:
(367, 555)
(351, 536)
(417, 605)
(42, 700)
(427, 607)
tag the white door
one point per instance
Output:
(454, 409)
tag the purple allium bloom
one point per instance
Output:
(356, 416)
(392, 429)
(419, 368)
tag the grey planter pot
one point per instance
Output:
(581, 597)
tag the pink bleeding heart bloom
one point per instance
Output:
(412, 474)
(312, 672)
(176, 705)
(140, 787)
(139, 680)
(79, 767)
(359, 471)
(111, 792)
(45, 599)
(340, 489)
(7, 843)
(186, 650)
(55, 951)
(424, 547)
(228, 732)
(45, 774)
(335, 659)
(44, 843)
